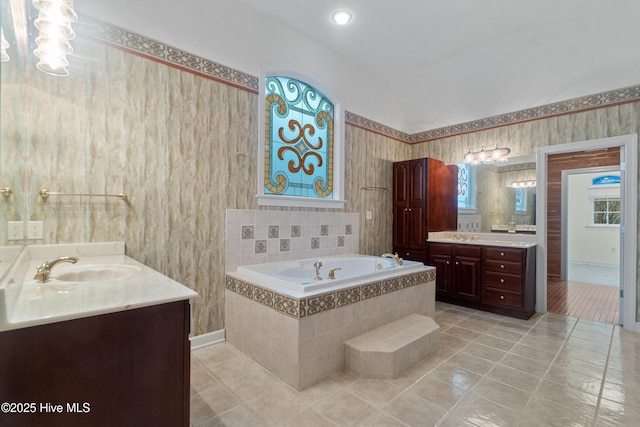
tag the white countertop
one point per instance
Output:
(485, 239)
(24, 302)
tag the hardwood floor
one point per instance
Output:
(584, 300)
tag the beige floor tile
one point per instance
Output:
(534, 353)
(202, 379)
(505, 335)
(631, 378)
(219, 398)
(381, 419)
(440, 393)
(495, 342)
(625, 394)
(231, 370)
(625, 362)
(344, 409)
(484, 352)
(580, 366)
(471, 363)
(568, 396)
(570, 353)
(616, 414)
(514, 378)
(319, 392)
(552, 345)
(473, 324)
(603, 339)
(502, 394)
(308, 418)
(238, 416)
(541, 412)
(414, 411)
(524, 364)
(482, 412)
(375, 392)
(456, 376)
(576, 380)
(200, 411)
(214, 354)
(451, 341)
(275, 407)
(249, 387)
(465, 334)
(589, 345)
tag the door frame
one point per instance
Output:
(628, 224)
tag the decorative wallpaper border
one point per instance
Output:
(303, 307)
(160, 52)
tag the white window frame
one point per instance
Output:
(337, 201)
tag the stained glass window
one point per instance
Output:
(299, 140)
(466, 186)
(521, 199)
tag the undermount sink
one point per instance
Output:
(96, 273)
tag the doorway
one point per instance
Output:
(549, 218)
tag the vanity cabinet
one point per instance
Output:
(119, 369)
(491, 278)
(424, 200)
(458, 271)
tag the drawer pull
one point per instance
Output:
(501, 280)
(501, 265)
(457, 263)
(501, 296)
(501, 253)
(448, 263)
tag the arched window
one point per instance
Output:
(301, 145)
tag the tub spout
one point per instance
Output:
(44, 271)
(395, 257)
(318, 266)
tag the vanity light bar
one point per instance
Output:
(524, 183)
(497, 154)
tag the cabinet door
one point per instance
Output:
(466, 278)
(442, 263)
(401, 184)
(418, 176)
(415, 231)
(400, 227)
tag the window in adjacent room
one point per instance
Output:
(466, 186)
(604, 200)
(301, 144)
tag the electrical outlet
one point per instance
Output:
(16, 230)
(34, 230)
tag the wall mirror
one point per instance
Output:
(497, 202)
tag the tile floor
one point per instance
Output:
(490, 370)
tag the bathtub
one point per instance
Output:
(299, 275)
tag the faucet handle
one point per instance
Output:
(332, 272)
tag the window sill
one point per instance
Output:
(300, 202)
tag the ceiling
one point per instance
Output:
(443, 62)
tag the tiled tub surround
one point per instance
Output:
(258, 236)
(301, 339)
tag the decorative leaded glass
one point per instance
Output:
(298, 158)
(521, 199)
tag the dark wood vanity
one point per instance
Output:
(127, 368)
(492, 278)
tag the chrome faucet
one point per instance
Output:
(318, 266)
(395, 257)
(44, 271)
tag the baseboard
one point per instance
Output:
(209, 338)
(593, 264)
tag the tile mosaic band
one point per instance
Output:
(160, 52)
(302, 307)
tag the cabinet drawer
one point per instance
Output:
(503, 281)
(502, 298)
(472, 251)
(503, 254)
(411, 255)
(439, 248)
(503, 266)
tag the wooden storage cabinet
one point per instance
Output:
(128, 368)
(496, 279)
(424, 200)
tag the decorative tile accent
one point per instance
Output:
(348, 296)
(347, 229)
(171, 56)
(324, 230)
(261, 246)
(284, 245)
(263, 296)
(321, 303)
(295, 231)
(274, 231)
(302, 307)
(247, 232)
(340, 241)
(315, 243)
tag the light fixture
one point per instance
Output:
(523, 183)
(341, 17)
(487, 156)
(4, 45)
(54, 26)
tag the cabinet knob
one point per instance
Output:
(501, 265)
(501, 296)
(501, 253)
(448, 262)
(501, 280)
(407, 254)
(457, 263)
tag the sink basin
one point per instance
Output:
(96, 273)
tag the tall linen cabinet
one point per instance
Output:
(425, 199)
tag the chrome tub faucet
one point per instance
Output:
(44, 271)
(318, 266)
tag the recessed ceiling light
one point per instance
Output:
(341, 17)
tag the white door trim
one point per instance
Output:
(629, 183)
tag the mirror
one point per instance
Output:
(497, 202)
